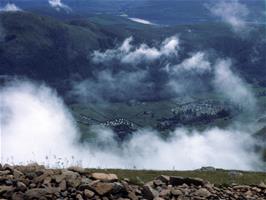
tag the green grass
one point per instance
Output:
(159, 109)
(219, 177)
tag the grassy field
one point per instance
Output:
(218, 177)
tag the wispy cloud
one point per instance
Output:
(232, 12)
(170, 76)
(127, 53)
(232, 86)
(58, 5)
(111, 86)
(10, 7)
(197, 63)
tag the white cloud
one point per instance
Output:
(232, 12)
(58, 5)
(37, 127)
(35, 124)
(197, 63)
(10, 7)
(191, 150)
(130, 54)
(108, 86)
(232, 86)
(190, 68)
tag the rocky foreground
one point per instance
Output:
(37, 182)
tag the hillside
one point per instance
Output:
(55, 51)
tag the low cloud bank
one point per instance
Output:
(38, 127)
(59, 5)
(34, 124)
(10, 7)
(231, 12)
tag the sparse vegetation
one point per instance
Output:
(218, 177)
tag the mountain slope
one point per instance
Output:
(44, 48)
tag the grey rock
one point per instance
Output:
(102, 188)
(104, 177)
(163, 178)
(149, 193)
(88, 193)
(21, 186)
(176, 180)
(176, 192)
(194, 181)
(202, 192)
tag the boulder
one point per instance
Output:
(163, 178)
(118, 188)
(149, 193)
(85, 180)
(176, 192)
(7, 167)
(158, 183)
(5, 172)
(45, 174)
(21, 186)
(102, 188)
(17, 174)
(36, 193)
(104, 177)
(88, 193)
(62, 185)
(72, 178)
(17, 196)
(165, 193)
(158, 198)
(242, 187)
(79, 197)
(6, 177)
(6, 191)
(77, 169)
(202, 192)
(176, 180)
(262, 185)
(132, 196)
(194, 181)
(34, 167)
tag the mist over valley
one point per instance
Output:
(116, 86)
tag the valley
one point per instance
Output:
(109, 81)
